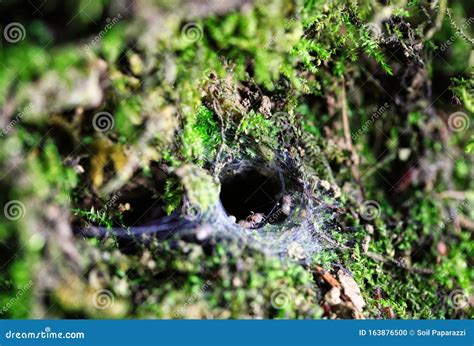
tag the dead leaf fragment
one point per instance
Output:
(351, 289)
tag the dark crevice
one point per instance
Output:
(250, 191)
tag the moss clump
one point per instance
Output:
(182, 280)
(201, 136)
(357, 93)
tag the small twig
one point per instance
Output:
(458, 29)
(347, 135)
(389, 158)
(218, 110)
(391, 261)
(459, 195)
(327, 277)
(345, 118)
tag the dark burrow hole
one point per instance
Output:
(250, 191)
(142, 196)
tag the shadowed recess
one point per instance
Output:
(250, 192)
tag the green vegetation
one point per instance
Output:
(355, 101)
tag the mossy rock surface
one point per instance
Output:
(254, 159)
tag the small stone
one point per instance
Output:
(404, 154)
(232, 218)
(236, 282)
(286, 204)
(123, 207)
(365, 243)
(146, 256)
(442, 248)
(369, 229)
(265, 106)
(79, 169)
(151, 264)
(333, 297)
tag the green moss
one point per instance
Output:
(99, 217)
(53, 178)
(113, 43)
(201, 136)
(201, 189)
(173, 194)
(295, 53)
(128, 116)
(212, 284)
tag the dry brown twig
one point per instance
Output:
(327, 277)
(459, 195)
(347, 135)
(391, 261)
